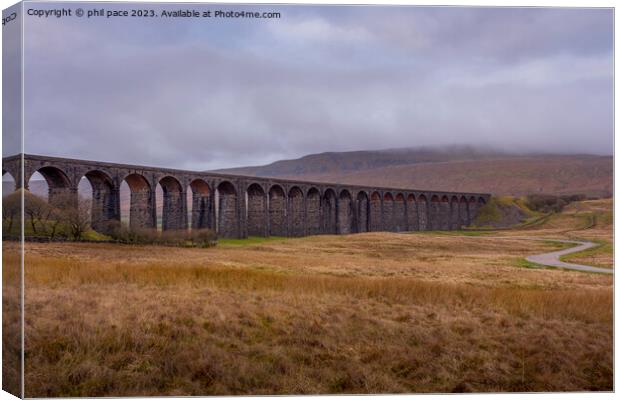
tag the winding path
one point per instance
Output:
(552, 259)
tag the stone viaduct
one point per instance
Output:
(240, 206)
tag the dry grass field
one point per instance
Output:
(367, 313)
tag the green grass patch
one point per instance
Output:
(503, 200)
(455, 233)
(41, 231)
(523, 263)
(527, 224)
(529, 212)
(251, 240)
(499, 208)
(94, 235)
(44, 232)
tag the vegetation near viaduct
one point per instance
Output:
(239, 206)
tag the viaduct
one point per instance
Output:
(239, 206)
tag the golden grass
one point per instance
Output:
(11, 317)
(370, 313)
(586, 304)
(222, 341)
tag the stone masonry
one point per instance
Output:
(238, 206)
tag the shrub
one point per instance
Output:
(551, 203)
(203, 237)
(545, 203)
(489, 213)
(195, 238)
(569, 198)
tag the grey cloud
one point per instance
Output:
(322, 79)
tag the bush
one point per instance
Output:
(550, 203)
(569, 198)
(202, 237)
(193, 238)
(489, 213)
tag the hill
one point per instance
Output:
(452, 169)
(355, 161)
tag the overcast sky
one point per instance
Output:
(215, 93)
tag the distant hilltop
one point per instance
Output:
(460, 168)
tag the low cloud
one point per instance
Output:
(216, 94)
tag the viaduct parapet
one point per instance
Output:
(238, 206)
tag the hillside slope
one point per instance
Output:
(475, 171)
(355, 161)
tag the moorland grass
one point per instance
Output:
(367, 313)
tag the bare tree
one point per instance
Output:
(37, 211)
(11, 210)
(52, 222)
(76, 215)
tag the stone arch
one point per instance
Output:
(13, 169)
(296, 212)
(37, 185)
(174, 204)
(313, 211)
(400, 213)
(227, 213)
(412, 214)
(388, 212)
(277, 211)
(257, 221)
(463, 212)
(329, 212)
(362, 212)
(106, 202)
(60, 190)
(142, 202)
(12, 180)
(454, 213)
(202, 205)
(481, 201)
(376, 213)
(345, 212)
(423, 213)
